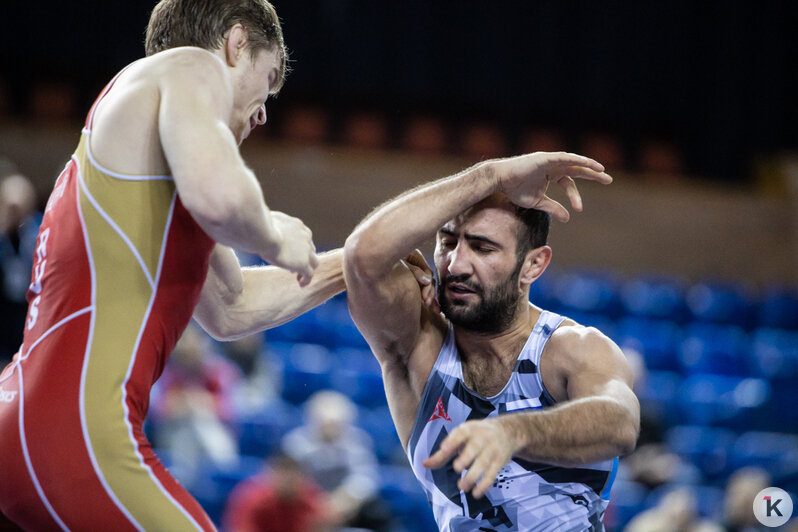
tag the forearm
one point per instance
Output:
(579, 432)
(393, 230)
(234, 214)
(270, 296)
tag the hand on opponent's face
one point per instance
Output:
(424, 275)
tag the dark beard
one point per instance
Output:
(493, 313)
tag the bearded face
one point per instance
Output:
(475, 307)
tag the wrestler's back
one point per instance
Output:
(118, 270)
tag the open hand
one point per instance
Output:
(483, 447)
(525, 179)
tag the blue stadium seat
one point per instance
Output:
(774, 354)
(720, 302)
(724, 401)
(658, 341)
(541, 292)
(587, 292)
(260, 435)
(775, 452)
(778, 308)
(784, 417)
(214, 485)
(378, 423)
(705, 447)
(356, 374)
(340, 330)
(407, 500)
(304, 328)
(306, 371)
(708, 499)
(627, 499)
(654, 297)
(659, 396)
(713, 348)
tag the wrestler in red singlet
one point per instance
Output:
(118, 271)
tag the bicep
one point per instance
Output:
(195, 104)
(601, 371)
(388, 312)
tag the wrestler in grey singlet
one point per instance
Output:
(526, 496)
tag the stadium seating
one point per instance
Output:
(720, 377)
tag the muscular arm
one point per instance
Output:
(388, 319)
(239, 301)
(384, 301)
(599, 420)
(383, 297)
(214, 184)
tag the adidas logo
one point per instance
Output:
(440, 412)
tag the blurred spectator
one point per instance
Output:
(341, 459)
(19, 227)
(260, 382)
(192, 407)
(741, 489)
(281, 498)
(676, 512)
(653, 465)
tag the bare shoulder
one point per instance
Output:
(574, 348)
(576, 339)
(188, 65)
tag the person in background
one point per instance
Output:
(19, 225)
(260, 383)
(741, 489)
(676, 511)
(340, 457)
(192, 408)
(280, 498)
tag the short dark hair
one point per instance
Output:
(204, 23)
(534, 229)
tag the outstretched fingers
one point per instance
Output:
(449, 447)
(567, 183)
(574, 159)
(564, 176)
(579, 171)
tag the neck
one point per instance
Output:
(502, 346)
(488, 360)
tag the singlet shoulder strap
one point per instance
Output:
(545, 326)
(90, 117)
(447, 361)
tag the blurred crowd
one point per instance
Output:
(290, 430)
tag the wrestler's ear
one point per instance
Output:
(535, 263)
(236, 44)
